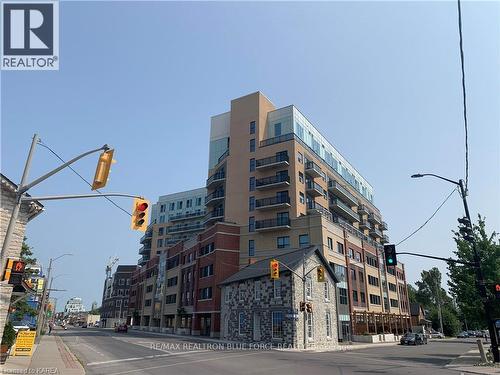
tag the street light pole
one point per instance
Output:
(477, 261)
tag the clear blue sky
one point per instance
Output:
(381, 80)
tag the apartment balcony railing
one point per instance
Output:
(314, 189)
(272, 202)
(144, 250)
(172, 241)
(275, 161)
(272, 224)
(374, 218)
(223, 156)
(349, 228)
(189, 215)
(383, 226)
(214, 197)
(363, 209)
(147, 236)
(272, 182)
(184, 228)
(384, 239)
(316, 207)
(278, 139)
(342, 209)
(374, 232)
(364, 224)
(214, 215)
(143, 260)
(215, 179)
(342, 193)
(313, 169)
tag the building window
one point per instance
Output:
(252, 127)
(227, 294)
(351, 253)
(171, 206)
(394, 302)
(198, 201)
(206, 271)
(189, 203)
(303, 240)
(310, 327)
(358, 256)
(162, 208)
(179, 205)
(161, 231)
(343, 296)
(118, 303)
(252, 145)
(353, 274)
(172, 281)
(301, 198)
(301, 177)
(330, 243)
(147, 302)
(252, 165)
(362, 297)
(277, 288)
(328, 324)
(251, 184)
(283, 242)
(361, 277)
(309, 287)
(277, 328)
(240, 293)
(159, 242)
(149, 288)
(300, 158)
(327, 291)
(257, 290)
(251, 224)
(355, 296)
(374, 299)
(392, 287)
(277, 129)
(340, 248)
(251, 203)
(205, 293)
(251, 248)
(241, 323)
(170, 299)
(372, 280)
(371, 261)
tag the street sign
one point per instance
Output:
(24, 343)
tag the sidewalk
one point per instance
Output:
(468, 363)
(51, 356)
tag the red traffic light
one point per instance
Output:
(497, 287)
(142, 206)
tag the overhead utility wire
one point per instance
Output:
(464, 96)
(429, 219)
(83, 178)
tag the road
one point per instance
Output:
(105, 352)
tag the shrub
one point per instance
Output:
(9, 335)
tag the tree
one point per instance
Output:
(412, 293)
(27, 254)
(463, 278)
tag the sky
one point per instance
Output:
(380, 80)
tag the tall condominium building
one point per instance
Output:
(273, 172)
(74, 305)
(175, 217)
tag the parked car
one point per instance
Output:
(121, 328)
(463, 335)
(436, 335)
(84, 325)
(20, 326)
(413, 339)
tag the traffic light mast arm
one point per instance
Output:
(438, 258)
(56, 197)
(25, 188)
(303, 278)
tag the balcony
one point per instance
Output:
(172, 241)
(383, 226)
(385, 239)
(147, 236)
(214, 197)
(314, 189)
(223, 156)
(216, 179)
(144, 250)
(276, 161)
(215, 215)
(143, 260)
(342, 209)
(375, 219)
(184, 216)
(272, 224)
(350, 228)
(272, 202)
(313, 169)
(316, 207)
(184, 228)
(364, 224)
(363, 210)
(272, 182)
(374, 232)
(342, 193)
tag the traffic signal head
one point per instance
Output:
(464, 221)
(302, 306)
(309, 307)
(390, 255)
(497, 291)
(140, 214)
(320, 270)
(102, 169)
(275, 269)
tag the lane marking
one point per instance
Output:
(146, 357)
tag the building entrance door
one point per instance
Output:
(205, 323)
(346, 331)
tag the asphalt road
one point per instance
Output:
(105, 352)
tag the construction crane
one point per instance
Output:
(111, 262)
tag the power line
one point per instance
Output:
(464, 96)
(83, 178)
(429, 219)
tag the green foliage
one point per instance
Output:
(27, 254)
(9, 335)
(412, 293)
(463, 278)
(22, 309)
(451, 323)
(95, 311)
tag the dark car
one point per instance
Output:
(84, 325)
(413, 339)
(121, 328)
(463, 335)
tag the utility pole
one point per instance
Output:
(40, 321)
(438, 300)
(304, 295)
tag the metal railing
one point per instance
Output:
(219, 212)
(271, 180)
(216, 194)
(311, 205)
(332, 184)
(315, 186)
(270, 223)
(272, 160)
(312, 165)
(186, 215)
(216, 176)
(272, 201)
(278, 139)
(223, 156)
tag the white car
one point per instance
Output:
(19, 326)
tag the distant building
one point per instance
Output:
(94, 306)
(74, 305)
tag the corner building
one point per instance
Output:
(274, 174)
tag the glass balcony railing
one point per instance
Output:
(314, 189)
(374, 218)
(375, 233)
(272, 161)
(188, 215)
(269, 224)
(218, 213)
(344, 210)
(364, 224)
(363, 209)
(313, 169)
(184, 228)
(342, 193)
(212, 197)
(385, 239)
(315, 206)
(384, 226)
(215, 178)
(271, 181)
(272, 202)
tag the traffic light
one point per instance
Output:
(14, 272)
(102, 169)
(497, 291)
(275, 269)
(390, 255)
(320, 270)
(466, 229)
(309, 307)
(302, 306)
(140, 214)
